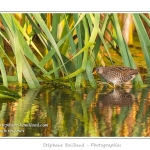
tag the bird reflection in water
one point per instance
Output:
(117, 97)
(114, 112)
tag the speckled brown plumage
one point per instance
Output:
(117, 74)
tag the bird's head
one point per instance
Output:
(98, 70)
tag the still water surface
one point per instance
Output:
(100, 112)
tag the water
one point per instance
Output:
(100, 112)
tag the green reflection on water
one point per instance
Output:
(100, 112)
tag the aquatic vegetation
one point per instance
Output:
(65, 48)
(8, 93)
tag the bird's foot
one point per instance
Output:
(107, 84)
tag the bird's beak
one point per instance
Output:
(94, 72)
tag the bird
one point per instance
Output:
(117, 74)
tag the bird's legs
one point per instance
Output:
(114, 86)
(110, 85)
(107, 84)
